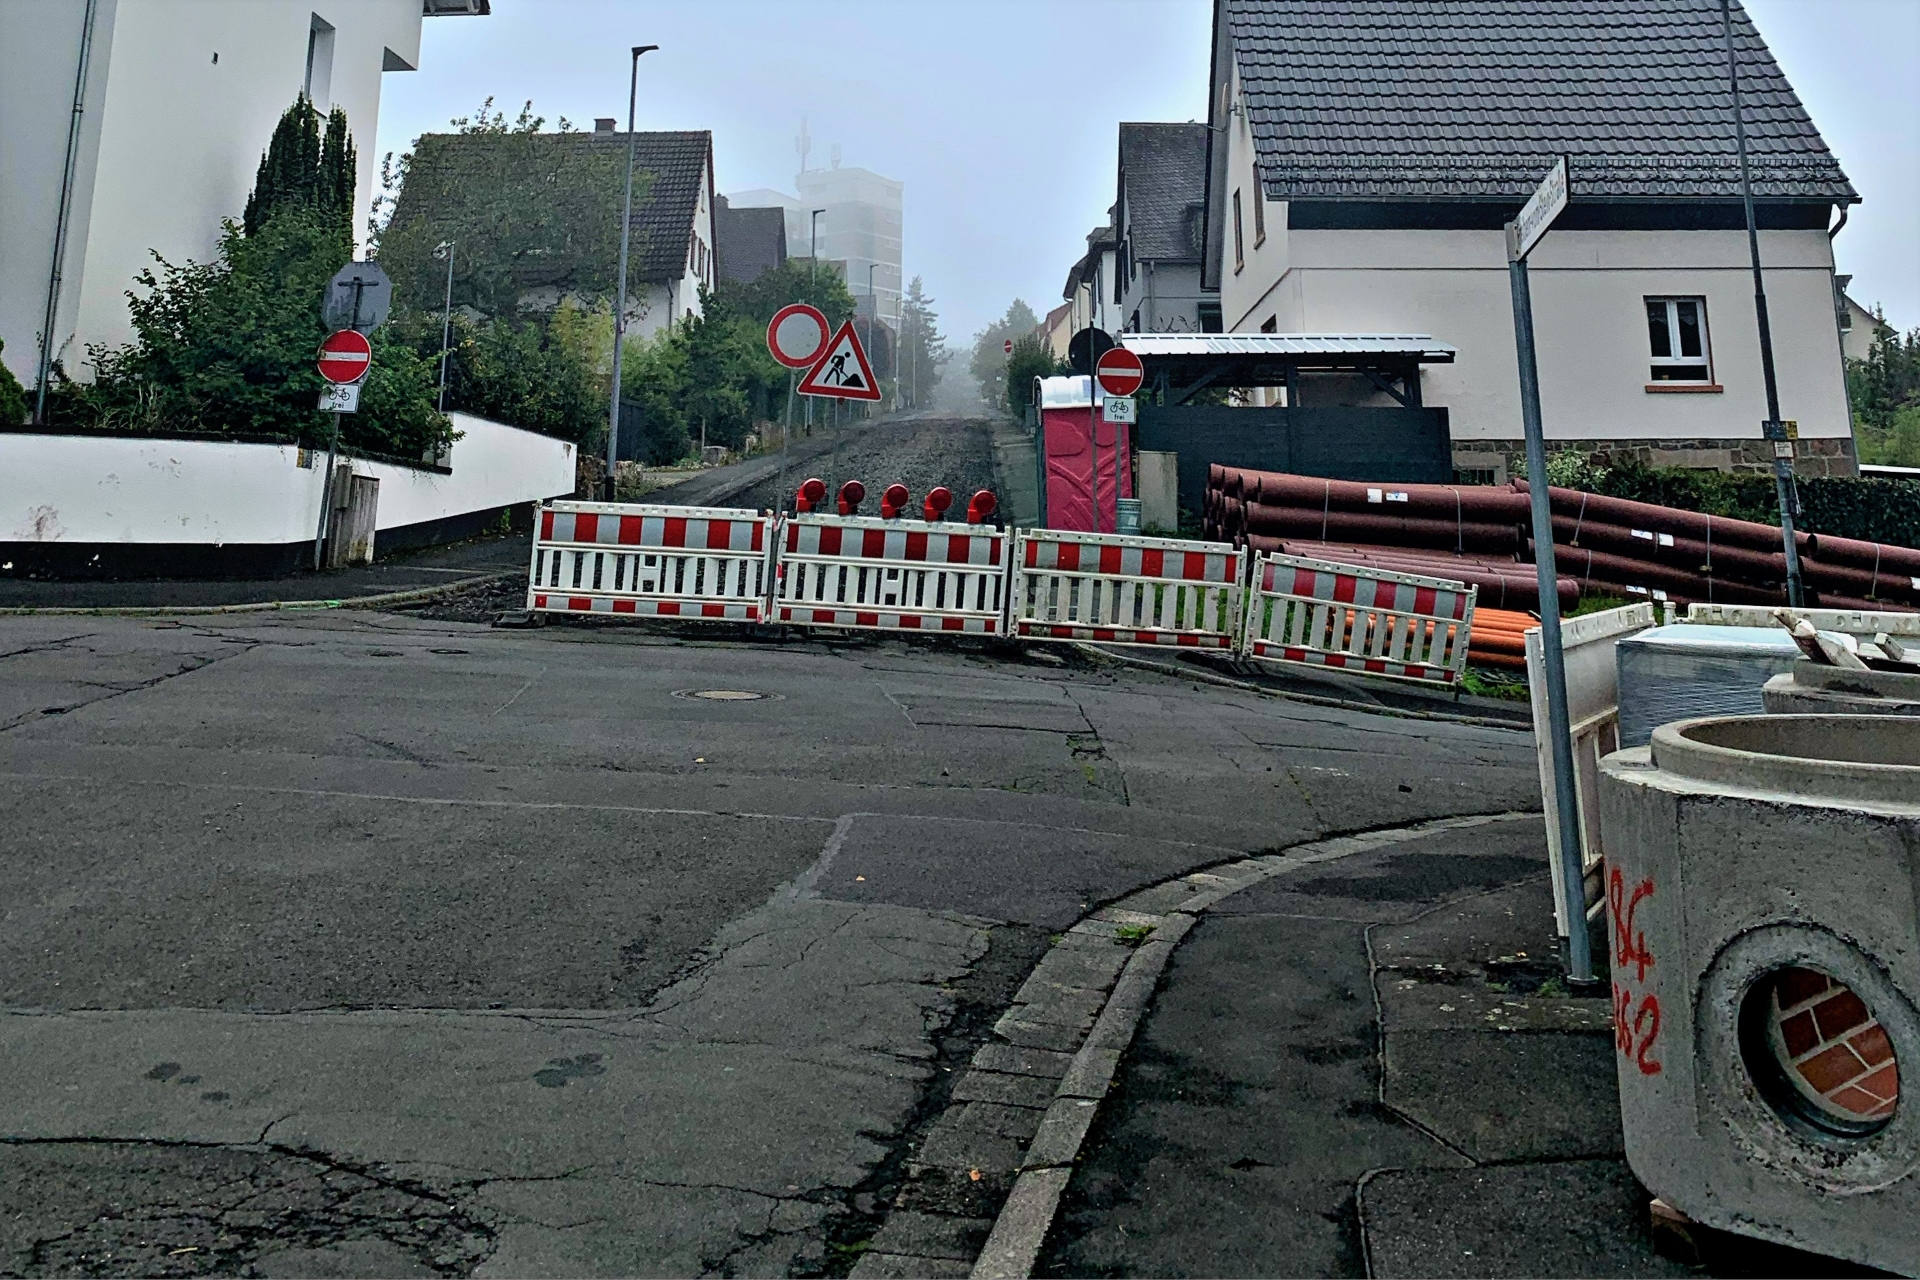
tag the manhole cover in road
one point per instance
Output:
(724, 695)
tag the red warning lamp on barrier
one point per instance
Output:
(981, 506)
(937, 503)
(813, 492)
(852, 494)
(894, 501)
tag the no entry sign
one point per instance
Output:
(1120, 372)
(345, 356)
(795, 335)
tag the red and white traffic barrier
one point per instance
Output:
(643, 561)
(1117, 589)
(1342, 616)
(889, 574)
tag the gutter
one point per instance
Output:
(66, 212)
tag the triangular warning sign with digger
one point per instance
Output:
(842, 370)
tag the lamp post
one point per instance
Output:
(1773, 429)
(813, 284)
(620, 291)
(873, 300)
(446, 319)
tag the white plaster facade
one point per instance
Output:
(180, 99)
(1589, 290)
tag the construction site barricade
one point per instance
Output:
(642, 561)
(891, 575)
(1348, 618)
(1120, 589)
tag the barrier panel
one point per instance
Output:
(890, 575)
(643, 561)
(1355, 619)
(1117, 589)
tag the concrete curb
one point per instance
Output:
(1312, 699)
(1165, 912)
(412, 596)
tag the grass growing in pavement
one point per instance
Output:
(1132, 935)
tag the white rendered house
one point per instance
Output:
(130, 127)
(1365, 158)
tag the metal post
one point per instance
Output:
(786, 435)
(620, 289)
(57, 272)
(333, 447)
(813, 287)
(1774, 430)
(446, 326)
(874, 300)
(1559, 726)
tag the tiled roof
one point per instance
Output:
(1164, 167)
(1422, 99)
(662, 221)
(747, 242)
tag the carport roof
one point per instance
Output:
(1288, 347)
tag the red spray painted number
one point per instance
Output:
(1636, 1025)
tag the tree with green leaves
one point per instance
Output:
(1031, 359)
(989, 363)
(522, 207)
(13, 398)
(923, 349)
(301, 170)
(1885, 392)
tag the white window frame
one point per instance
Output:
(1703, 361)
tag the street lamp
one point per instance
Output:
(620, 293)
(445, 250)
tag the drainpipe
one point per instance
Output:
(60, 221)
(1846, 392)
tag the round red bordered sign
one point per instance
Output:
(796, 334)
(1120, 372)
(345, 356)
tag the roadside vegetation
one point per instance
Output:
(1884, 390)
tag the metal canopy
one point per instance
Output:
(1181, 364)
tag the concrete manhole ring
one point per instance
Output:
(725, 695)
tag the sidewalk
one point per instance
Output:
(433, 567)
(1369, 1068)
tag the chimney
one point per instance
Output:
(603, 124)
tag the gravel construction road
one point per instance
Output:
(918, 450)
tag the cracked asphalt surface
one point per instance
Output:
(372, 945)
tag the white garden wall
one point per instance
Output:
(105, 492)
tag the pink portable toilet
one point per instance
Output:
(1089, 460)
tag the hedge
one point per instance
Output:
(1873, 510)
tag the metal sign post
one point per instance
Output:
(1523, 233)
(345, 359)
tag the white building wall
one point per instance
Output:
(1589, 321)
(176, 137)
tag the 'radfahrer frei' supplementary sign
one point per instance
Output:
(842, 371)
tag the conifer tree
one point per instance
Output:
(301, 171)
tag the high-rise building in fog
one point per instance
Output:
(860, 228)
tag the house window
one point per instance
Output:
(318, 85)
(1677, 334)
(1239, 245)
(1259, 216)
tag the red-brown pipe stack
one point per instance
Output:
(1482, 535)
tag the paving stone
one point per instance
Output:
(999, 1118)
(1091, 1073)
(1158, 900)
(1015, 1060)
(1039, 1035)
(932, 1235)
(896, 1266)
(950, 1145)
(1061, 1006)
(1058, 1139)
(998, 1086)
(1121, 916)
(1081, 966)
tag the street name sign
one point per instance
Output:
(796, 334)
(1120, 372)
(1538, 213)
(358, 297)
(842, 373)
(345, 356)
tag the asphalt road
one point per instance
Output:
(361, 944)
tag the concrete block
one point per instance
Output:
(1014, 1246)
(1038, 1035)
(932, 1235)
(1765, 935)
(1016, 1060)
(999, 1086)
(1091, 1073)
(1058, 1139)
